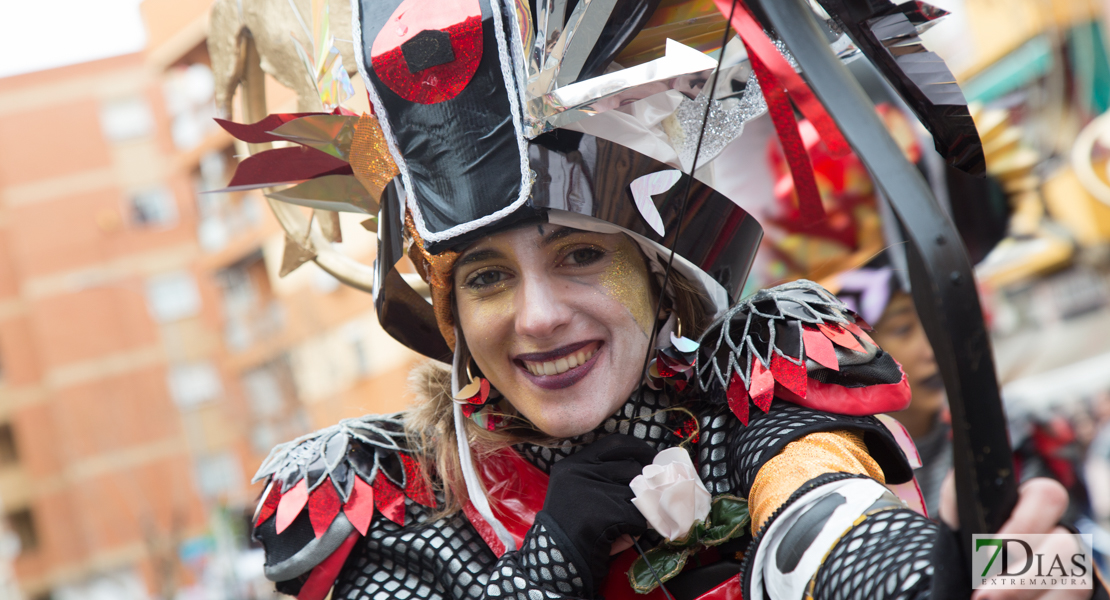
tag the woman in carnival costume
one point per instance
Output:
(582, 444)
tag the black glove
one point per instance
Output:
(590, 503)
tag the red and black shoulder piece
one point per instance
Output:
(799, 343)
(322, 494)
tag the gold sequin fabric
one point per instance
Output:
(804, 459)
(370, 158)
(439, 271)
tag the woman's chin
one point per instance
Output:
(571, 410)
(568, 423)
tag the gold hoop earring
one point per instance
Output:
(476, 398)
(675, 361)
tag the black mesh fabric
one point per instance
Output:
(445, 558)
(884, 557)
(717, 423)
(768, 433)
(544, 562)
(642, 417)
(442, 558)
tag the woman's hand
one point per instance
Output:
(589, 499)
(1041, 504)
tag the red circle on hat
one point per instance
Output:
(428, 51)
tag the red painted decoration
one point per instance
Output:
(737, 396)
(416, 487)
(789, 375)
(689, 430)
(270, 504)
(762, 385)
(478, 400)
(322, 577)
(291, 504)
(389, 500)
(259, 132)
(861, 401)
(665, 372)
(323, 506)
(819, 348)
(459, 19)
(860, 333)
(360, 505)
(840, 336)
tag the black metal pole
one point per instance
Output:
(940, 273)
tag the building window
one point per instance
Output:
(8, 453)
(251, 314)
(154, 207)
(22, 523)
(194, 384)
(219, 475)
(221, 215)
(172, 296)
(126, 119)
(272, 397)
(189, 101)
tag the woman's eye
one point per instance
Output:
(485, 279)
(583, 256)
(902, 331)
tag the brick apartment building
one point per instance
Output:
(149, 354)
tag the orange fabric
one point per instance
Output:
(439, 271)
(369, 156)
(803, 460)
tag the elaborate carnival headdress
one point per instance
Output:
(596, 114)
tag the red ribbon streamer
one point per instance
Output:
(777, 79)
(757, 43)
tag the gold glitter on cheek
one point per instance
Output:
(626, 279)
(486, 323)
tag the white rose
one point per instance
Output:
(670, 494)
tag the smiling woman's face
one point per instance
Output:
(558, 320)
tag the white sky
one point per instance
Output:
(42, 34)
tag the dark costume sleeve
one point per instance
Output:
(324, 492)
(546, 566)
(791, 362)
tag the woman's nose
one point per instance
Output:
(541, 307)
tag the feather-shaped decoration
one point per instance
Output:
(774, 340)
(353, 467)
(341, 161)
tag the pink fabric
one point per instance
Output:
(291, 504)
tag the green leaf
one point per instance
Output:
(666, 563)
(691, 539)
(729, 517)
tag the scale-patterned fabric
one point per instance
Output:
(885, 557)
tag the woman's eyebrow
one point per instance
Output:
(558, 235)
(478, 256)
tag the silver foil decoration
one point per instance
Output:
(725, 123)
(339, 193)
(329, 453)
(683, 69)
(331, 134)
